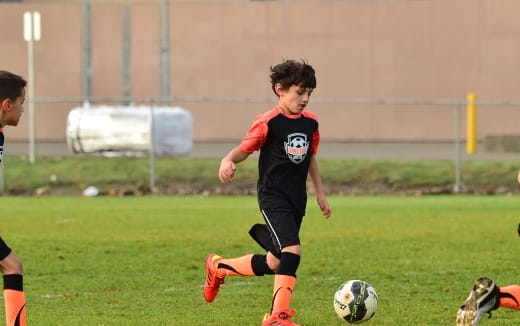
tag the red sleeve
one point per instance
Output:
(255, 136)
(315, 142)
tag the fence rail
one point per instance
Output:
(234, 99)
(153, 101)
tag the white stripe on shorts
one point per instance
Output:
(272, 229)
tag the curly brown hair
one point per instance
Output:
(291, 72)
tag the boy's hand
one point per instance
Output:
(324, 206)
(226, 171)
(228, 164)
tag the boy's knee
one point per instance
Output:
(289, 263)
(294, 249)
(273, 262)
(11, 265)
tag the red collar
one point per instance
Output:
(290, 116)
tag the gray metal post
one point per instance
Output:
(30, 91)
(152, 146)
(126, 54)
(32, 33)
(1, 177)
(164, 70)
(458, 183)
(86, 72)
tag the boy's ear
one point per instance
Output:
(278, 88)
(4, 105)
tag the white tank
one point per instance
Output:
(126, 130)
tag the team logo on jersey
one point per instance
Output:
(297, 147)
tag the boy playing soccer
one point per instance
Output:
(287, 137)
(12, 97)
(486, 296)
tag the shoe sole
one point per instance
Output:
(466, 317)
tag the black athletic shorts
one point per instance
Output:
(4, 249)
(284, 226)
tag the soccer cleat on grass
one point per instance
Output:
(279, 319)
(484, 298)
(212, 283)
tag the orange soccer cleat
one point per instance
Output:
(212, 283)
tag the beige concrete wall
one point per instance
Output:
(398, 49)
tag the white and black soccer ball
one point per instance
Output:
(355, 301)
(298, 142)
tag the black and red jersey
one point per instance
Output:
(286, 144)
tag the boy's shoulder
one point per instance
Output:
(309, 114)
(273, 112)
(268, 115)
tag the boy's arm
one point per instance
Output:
(518, 177)
(228, 167)
(314, 173)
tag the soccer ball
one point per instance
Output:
(355, 301)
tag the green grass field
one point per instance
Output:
(72, 174)
(139, 260)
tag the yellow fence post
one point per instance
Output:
(471, 125)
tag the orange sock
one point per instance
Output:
(14, 308)
(282, 292)
(14, 299)
(510, 297)
(241, 266)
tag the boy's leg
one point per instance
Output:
(217, 268)
(510, 297)
(284, 226)
(284, 282)
(14, 297)
(249, 265)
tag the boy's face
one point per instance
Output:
(294, 99)
(12, 110)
